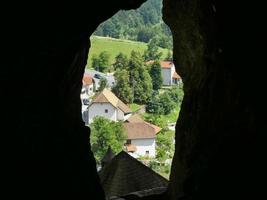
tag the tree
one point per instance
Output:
(101, 62)
(105, 133)
(144, 35)
(152, 51)
(122, 88)
(140, 80)
(156, 76)
(169, 56)
(161, 104)
(165, 146)
(154, 105)
(103, 83)
(121, 61)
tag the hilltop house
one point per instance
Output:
(141, 137)
(169, 75)
(107, 105)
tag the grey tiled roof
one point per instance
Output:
(124, 175)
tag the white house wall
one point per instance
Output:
(98, 109)
(120, 115)
(143, 145)
(167, 76)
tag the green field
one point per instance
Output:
(115, 46)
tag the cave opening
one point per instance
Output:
(132, 94)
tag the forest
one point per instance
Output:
(143, 24)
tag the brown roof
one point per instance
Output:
(134, 119)
(166, 64)
(107, 96)
(163, 64)
(87, 80)
(125, 174)
(175, 75)
(137, 128)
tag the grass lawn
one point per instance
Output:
(163, 120)
(134, 107)
(116, 46)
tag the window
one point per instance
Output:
(147, 153)
(128, 141)
(106, 110)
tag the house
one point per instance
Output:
(86, 92)
(88, 86)
(107, 105)
(141, 137)
(169, 75)
(125, 175)
(98, 75)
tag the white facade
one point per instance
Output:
(144, 147)
(106, 110)
(102, 109)
(167, 75)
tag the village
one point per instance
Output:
(141, 135)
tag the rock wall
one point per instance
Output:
(217, 152)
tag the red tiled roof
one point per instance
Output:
(87, 80)
(163, 64)
(166, 64)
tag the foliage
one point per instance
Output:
(134, 107)
(165, 145)
(152, 51)
(101, 62)
(161, 104)
(155, 74)
(176, 93)
(115, 46)
(169, 56)
(141, 24)
(144, 35)
(122, 88)
(103, 84)
(105, 133)
(121, 62)
(140, 79)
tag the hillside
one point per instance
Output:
(141, 24)
(115, 46)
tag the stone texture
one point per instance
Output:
(218, 130)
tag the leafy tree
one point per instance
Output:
(105, 133)
(103, 83)
(101, 62)
(122, 88)
(166, 102)
(176, 94)
(140, 80)
(154, 106)
(155, 74)
(165, 146)
(152, 51)
(161, 104)
(169, 56)
(144, 35)
(121, 61)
